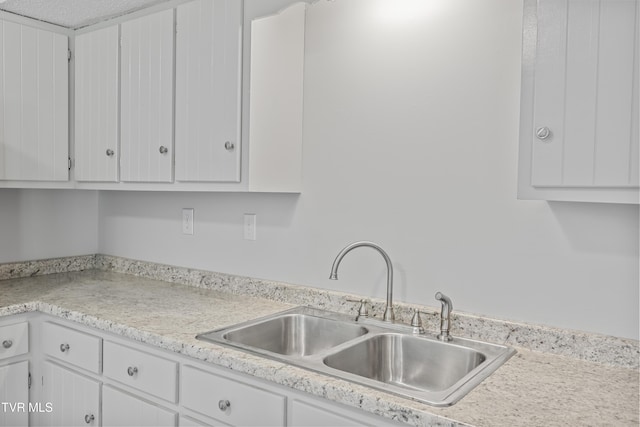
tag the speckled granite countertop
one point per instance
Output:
(531, 389)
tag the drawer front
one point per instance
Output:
(143, 371)
(14, 340)
(72, 346)
(229, 401)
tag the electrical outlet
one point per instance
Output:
(250, 226)
(187, 221)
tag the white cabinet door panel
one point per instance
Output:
(146, 151)
(14, 390)
(96, 109)
(122, 409)
(74, 398)
(585, 86)
(34, 87)
(208, 91)
(305, 415)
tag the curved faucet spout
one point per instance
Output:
(388, 312)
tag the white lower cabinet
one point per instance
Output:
(14, 394)
(123, 409)
(230, 401)
(14, 373)
(143, 371)
(86, 377)
(74, 399)
(308, 415)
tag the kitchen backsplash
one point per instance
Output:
(581, 345)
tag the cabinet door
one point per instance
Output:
(14, 393)
(146, 138)
(34, 88)
(584, 130)
(122, 409)
(96, 105)
(73, 398)
(208, 91)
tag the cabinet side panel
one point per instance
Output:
(634, 148)
(615, 92)
(276, 99)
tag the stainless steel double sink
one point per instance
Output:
(376, 354)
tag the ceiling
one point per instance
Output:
(74, 14)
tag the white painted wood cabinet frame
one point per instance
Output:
(579, 103)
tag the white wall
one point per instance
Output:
(39, 224)
(411, 135)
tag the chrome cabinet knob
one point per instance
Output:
(110, 152)
(229, 146)
(64, 347)
(132, 370)
(89, 418)
(543, 133)
(224, 405)
(7, 343)
(163, 149)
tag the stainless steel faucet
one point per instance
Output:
(388, 312)
(445, 316)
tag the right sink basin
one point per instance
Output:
(406, 361)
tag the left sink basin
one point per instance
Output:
(295, 334)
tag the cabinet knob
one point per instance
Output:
(132, 370)
(229, 146)
(64, 347)
(7, 343)
(543, 133)
(89, 418)
(110, 152)
(163, 149)
(224, 405)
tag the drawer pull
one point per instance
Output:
(64, 347)
(7, 343)
(132, 370)
(224, 405)
(89, 418)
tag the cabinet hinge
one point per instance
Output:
(69, 55)
(29, 381)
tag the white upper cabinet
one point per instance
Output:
(579, 118)
(96, 105)
(34, 89)
(146, 150)
(208, 91)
